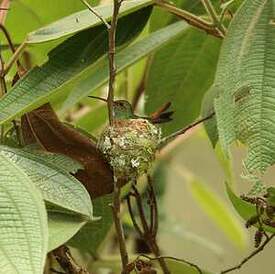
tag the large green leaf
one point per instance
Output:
(98, 75)
(39, 13)
(181, 72)
(62, 227)
(248, 59)
(23, 222)
(66, 63)
(219, 212)
(53, 180)
(83, 20)
(92, 234)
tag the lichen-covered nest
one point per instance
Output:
(130, 146)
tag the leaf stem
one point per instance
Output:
(190, 18)
(174, 135)
(94, 11)
(212, 12)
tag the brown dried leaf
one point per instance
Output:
(42, 126)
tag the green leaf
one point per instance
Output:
(182, 72)
(246, 210)
(219, 212)
(98, 74)
(248, 59)
(92, 234)
(66, 63)
(83, 20)
(23, 222)
(55, 183)
(39, 13)
(62, 227)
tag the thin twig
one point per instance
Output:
(2, 68)
(190, 18)
(99, 16)
(212, 12)
(119, 228)
(132, 215)
(148, 232)
(111, 56)
(153, 207)
(15, 57)
(141, 210)
(20, 68)
(254, 253)
(110, 99)
(174, 259)
(174, 135)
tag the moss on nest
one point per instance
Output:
(130, 146)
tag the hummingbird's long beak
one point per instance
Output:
(99, 98)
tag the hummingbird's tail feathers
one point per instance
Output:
(161, 115)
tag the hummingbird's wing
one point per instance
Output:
(42, 126)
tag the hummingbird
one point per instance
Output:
(123, 110)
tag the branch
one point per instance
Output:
(110, 99)
(213, 14)
(15, 57)
(190, 18)
(111, 56)
(119, 228)
(148, 230)
(174, 135)
(254, 253)
(63, 256)
(96, 14)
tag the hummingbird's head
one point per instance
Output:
(123, 110)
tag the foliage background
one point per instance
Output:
(186, 230)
